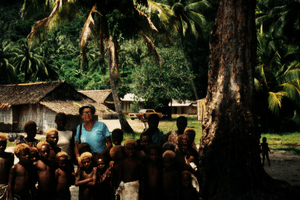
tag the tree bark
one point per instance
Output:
(112, 64)
(229, 146)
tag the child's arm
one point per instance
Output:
(94, 177)
(11, 182)
(79, 182)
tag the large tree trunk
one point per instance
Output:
(229, 149)
(112, 64)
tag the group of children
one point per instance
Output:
(143, 169)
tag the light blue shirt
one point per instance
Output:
(95, 138)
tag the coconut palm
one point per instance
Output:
(7, 70)
(189, 18)
(30, 64)
(109, 21)
(281, 18)
(277, 75)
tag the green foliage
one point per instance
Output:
(159, 85)
(134, 107)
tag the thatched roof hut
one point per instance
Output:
(40, 102)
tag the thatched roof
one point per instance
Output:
(99, 96)
(32, 93)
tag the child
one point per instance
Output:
(168, 146)
(66, 137)
(116, 154)
(117, 136)
(6, 162)
(131, 173)
(86, 177)
(45, 173)
(265, 150)
(187, 192)
(30, 130)
(63, 177)
(170, 184)
(144, 144)
(181, 123)
(20, 183)
(103, 179)
(157, 136)
(191, 134)
(153, 174)
(52, 139)
(34, 155)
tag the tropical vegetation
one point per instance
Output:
(176, 60)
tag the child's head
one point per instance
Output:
(84, 147)
(3, 142)
(168, 146)
(168, 159)
(264, 139)
(130, 147)
(61, 121)
(101, 163)
(145, 140)
(181, 123)
(30, 129)
(191, 134)
(22, 152)
(153, 121)
(62, 160)
(183, 142)
(86, 160)
(44, 149)
(52, 136)
(34, 154)
(117, 136)
(116, 153)
(186, 179)
(153, 152)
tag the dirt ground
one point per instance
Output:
(284, 165)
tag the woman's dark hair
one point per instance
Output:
(87, 106)
(61, 116)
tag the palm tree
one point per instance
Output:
(277, 75)
(108, 22)
(189, 18)
(281, 18)
(30, 64)
(7, 70)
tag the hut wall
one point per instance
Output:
(6, 120)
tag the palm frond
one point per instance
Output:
(151, 47)
(274, 101)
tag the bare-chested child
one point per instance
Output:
(34, 155)
(144, 144)
(6, 162)
(170, 183)
(86, 177)
(117, 136)
(103, 178)
(63, 177)
(153, 174)
(116, 154)
(30, 130)
(45, 173)
(131, 173)
(52, 139)
(187, 191)
(20, 183)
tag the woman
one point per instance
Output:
(93, 132)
